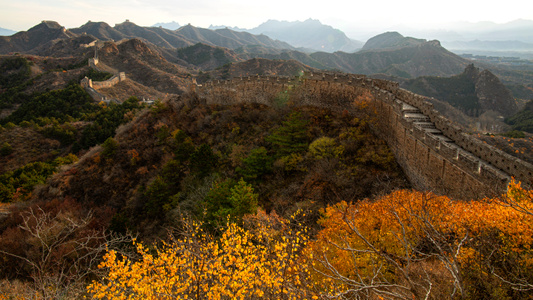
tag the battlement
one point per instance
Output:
(435, 153)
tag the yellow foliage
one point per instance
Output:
(240, 264)
(325, 147)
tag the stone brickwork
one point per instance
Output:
(117, 77)
(90, 86)
(110, 82)
(434, 153)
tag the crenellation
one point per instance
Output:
(419, 133)
(448, 150)
(468, 161)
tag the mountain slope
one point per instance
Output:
(390, 40)
(424, 59)
(251, 39)
(183, 37)
(228, 38)
(473, 91)
(100, 30)
(206, 57)
(153, 35)
(144, 65)
(257, 66)
(40, 34)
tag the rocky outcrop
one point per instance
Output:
(493, 95)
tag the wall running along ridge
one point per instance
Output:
(434, 153)
(90, 86)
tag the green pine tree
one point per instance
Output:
(291, 137)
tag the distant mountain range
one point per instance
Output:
(309, 34)
(388, 55)
(489, 45)
(404, 57)
(47, 31)
(6, 32)
(234, 28)
(166, 60)
(518, 30)
(479, 38)
(169, 25)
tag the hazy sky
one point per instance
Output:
(348, 15)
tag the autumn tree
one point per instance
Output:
(58, 251)
(263, 263)
(418, 245)
(325, 147)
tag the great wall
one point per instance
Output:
(434, 153)
(91, 86)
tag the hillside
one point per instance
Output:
(172, 145)
(305, 58)
(421, 59)
(206, 57)
(128, 88)
(473, 91)
(158, 36)
(389, 54)
(100, 30)
(50, 33)
(227, 38)
(390, 40)
(523, 119)
(410, 61)
(144, 65)
(254, 67)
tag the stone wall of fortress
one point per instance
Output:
(110, 82)
(452, 163)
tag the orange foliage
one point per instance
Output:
(408, 228)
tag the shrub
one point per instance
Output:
(255, 165)
(6, 149)
(203, 160)
(229, 199)
(515, 134)
(325, 147)
(110, 146)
